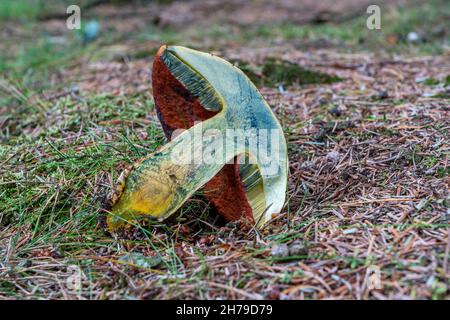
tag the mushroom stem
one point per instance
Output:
(164, 180)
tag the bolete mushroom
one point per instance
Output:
(231, 145)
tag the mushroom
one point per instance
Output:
(224, 138)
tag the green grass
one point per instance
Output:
(57, 170)
(427, 18)
(31, 10)
(22, 9)
(53, 183)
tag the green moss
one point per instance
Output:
(443, 172)
(431, 82)
(287, 73)
(275, 72)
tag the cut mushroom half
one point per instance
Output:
(225, 139)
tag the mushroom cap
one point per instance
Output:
(177, 108)
(191, 86)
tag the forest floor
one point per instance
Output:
(366, 114)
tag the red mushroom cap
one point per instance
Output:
(177, 108)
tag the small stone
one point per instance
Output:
(91, 31)
(333, 157)
(413, 37)
(280, 251)
(335, 111)
(306, 165)
(75, 88)
(383, 95)
(323, 100)
(298, 248)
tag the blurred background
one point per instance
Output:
(34, 33)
